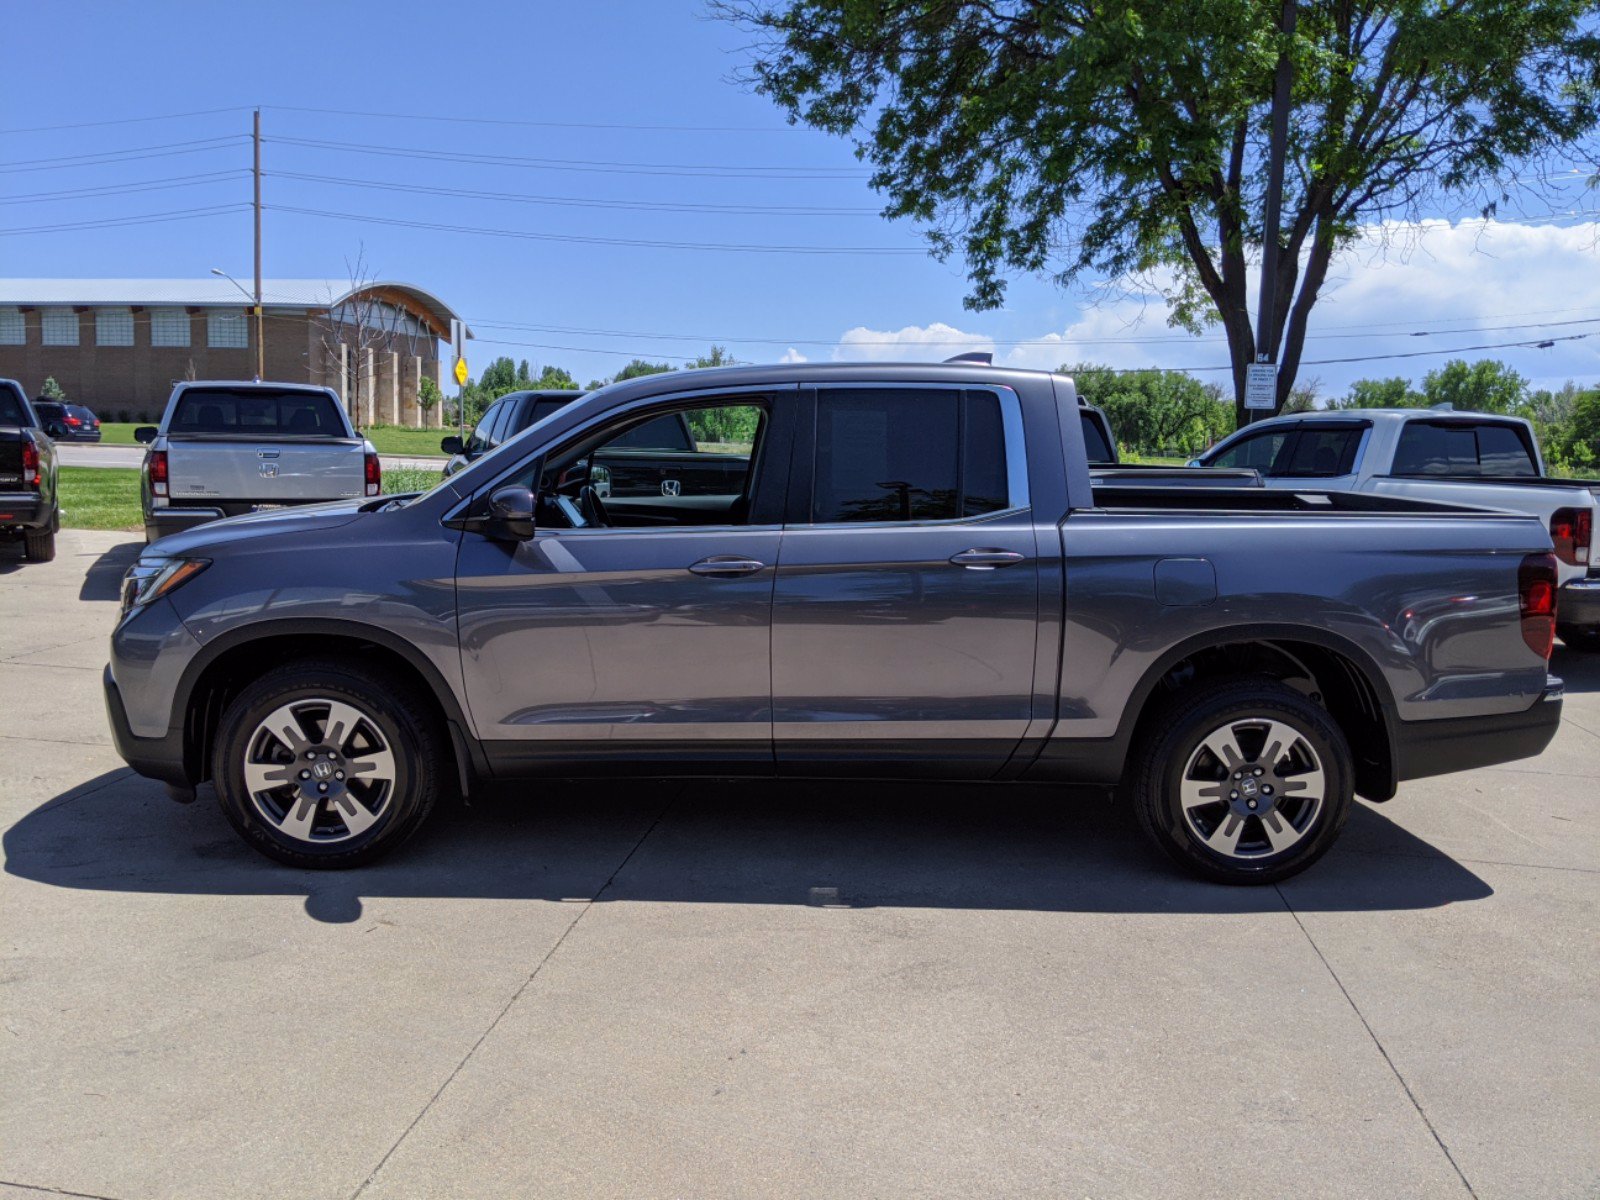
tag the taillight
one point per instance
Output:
(1571, 530)
(1536, 594)
(374, 475)
(158, 472)
(30, 465)
(74, 421)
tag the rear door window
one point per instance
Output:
(256, 413)
(11, 408)
(1322, 451)
(1461, 448)
(907, 454)
(479, 442)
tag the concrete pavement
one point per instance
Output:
(86, 454)
(781, 990)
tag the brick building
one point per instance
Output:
(120, 344)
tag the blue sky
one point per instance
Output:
(583, 68)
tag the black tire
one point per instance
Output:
(398, 720)
(1580, 637)
(39, 545)
(1171, 753)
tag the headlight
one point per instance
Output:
(151, 578)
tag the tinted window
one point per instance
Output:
(1094, 439)
(1258, 450)
(1501, 451)
(257, 412)
(907, 455)
(1453, 448)
(10, 408)
(542, 409)
(505, 421)
(1321, 451)
(484, 429)
(79, 410)
(49, 410)
(670, 432)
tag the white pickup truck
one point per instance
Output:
(1437, 454)
(226, 448)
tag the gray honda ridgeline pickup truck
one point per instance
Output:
(915, 573)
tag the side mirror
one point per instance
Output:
(452, 445)
(145, 434)
(510, 516)
(56, 429)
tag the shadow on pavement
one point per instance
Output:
(833, 844)
(1578, 669)
(103, 581)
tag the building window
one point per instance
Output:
(227, 329)
(59, 326)
(13, 327)
(113, 326)
(169, 327)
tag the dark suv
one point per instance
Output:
(67, 422)
(503, 420)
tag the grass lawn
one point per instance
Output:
(100, 498)
(108, 497)
(389, 439)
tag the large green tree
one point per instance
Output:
(1127, 137)
(1155, 412)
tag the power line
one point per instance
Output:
(635, 243)
(601, 166)
(163, 150)
(580, 202)
(146, 185)
(178, 214)
(392, 116)
(199, 112)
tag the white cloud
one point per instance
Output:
(1458, 281)
(914, 343)
(791, 355)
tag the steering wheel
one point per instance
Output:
(594, 508)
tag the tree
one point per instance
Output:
(428, 394)
(506, 375)
(1487, 385)
(1381, 393)
(639, 367)
(52, 390)
(1127, 137)
(1154, 412)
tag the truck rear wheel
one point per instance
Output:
(39, 545)
(327, 765)
(1243, 782)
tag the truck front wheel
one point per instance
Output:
(327, 765)
(1243, 782)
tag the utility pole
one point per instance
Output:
(261, 345)
(1266, 342)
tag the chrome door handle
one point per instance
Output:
(986, 560)
(726, 564)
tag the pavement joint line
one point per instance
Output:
(1376, 1041)
(1566, 720)
(12, 737)
(1482, 862)
(63, 801)
(53, 1191)
(523, 987)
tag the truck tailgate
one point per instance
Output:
(266, 471)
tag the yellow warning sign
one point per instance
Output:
(461, 371)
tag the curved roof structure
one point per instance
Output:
(220, 292)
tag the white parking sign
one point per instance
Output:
(1261, 386)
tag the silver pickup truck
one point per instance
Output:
(228, 448)
(913, 574)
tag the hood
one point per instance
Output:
(219, 535)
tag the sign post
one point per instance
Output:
(1261, 386)
(458, 333)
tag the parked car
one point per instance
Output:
(502, 421)
(30, 504)
(68, 422)
(226, 449)
(912, 574)
(1468, 458)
